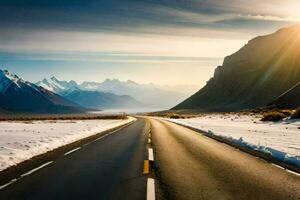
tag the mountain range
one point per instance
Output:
(101, 100)
(133, 94)
(255, 76)
(19, 96)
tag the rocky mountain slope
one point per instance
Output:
(289, 99)
(254, 76)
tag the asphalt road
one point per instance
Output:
(187, 166)
(109, 168)
(192, 166)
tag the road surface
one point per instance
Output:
(193, 166)
(109, 168)
(187, 166)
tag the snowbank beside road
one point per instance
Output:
(279, 139)
(20, 141)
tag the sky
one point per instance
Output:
(166, 42)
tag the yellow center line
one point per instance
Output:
(146, 167)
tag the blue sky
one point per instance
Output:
(160, 41)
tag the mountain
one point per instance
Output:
(86, 94)
(102, 100)
(289, 99)
(57, 86)
(149, 94)
(254, 76)
(89, 85)
(19, 96)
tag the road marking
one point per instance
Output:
(289, 171)
(69, 152)
(7, 184)
(292, 172)
(150, 154)
(36, 169)
(149, 141)
(26, 174)
(150, 189)
(146, 167)
(99, 138)
(278, 166)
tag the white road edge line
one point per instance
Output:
(69, 152)
(7, 184)
(35, 169)
(99, 138)
(150, 154)
(278, 166)
(292, 172)
(26, 174)
(150, 189)
(287, 170)
(103, 136)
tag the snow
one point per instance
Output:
(20, 141)
(52, 85)
(6, 79)
(47, 87)
(279, 139)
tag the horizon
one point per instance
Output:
(94, 81)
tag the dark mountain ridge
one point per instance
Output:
(254, 76)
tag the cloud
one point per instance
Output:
(164, 27)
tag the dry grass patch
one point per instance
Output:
(296, 114)
(273, 116)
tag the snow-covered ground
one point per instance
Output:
(280, 139)
(23, 140)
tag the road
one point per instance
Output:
(109, 168)
(187, 166)
(193, 166)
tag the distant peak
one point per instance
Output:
(53, 78)
(111, 80)
(9, 75)
(130, 81)
(72, 81)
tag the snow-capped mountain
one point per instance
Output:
(18, 95)
(149, 95)
(87, 95)
(87, 85)
(57, 86)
